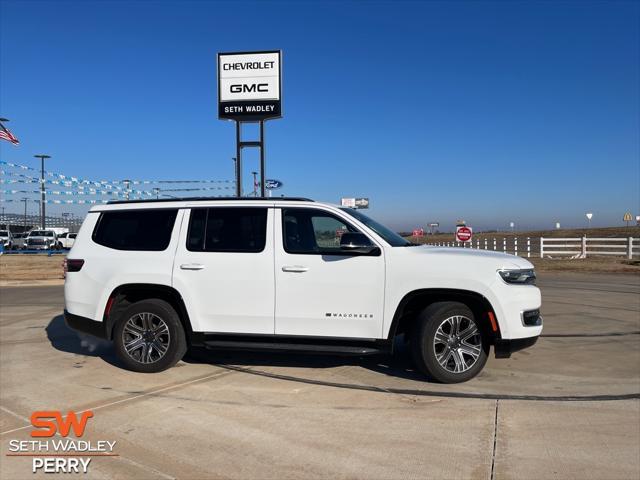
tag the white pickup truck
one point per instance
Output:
(156, 277)
(42, 240)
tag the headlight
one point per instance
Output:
(519, 277)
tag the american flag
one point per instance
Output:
(5, 134)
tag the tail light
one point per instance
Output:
(72, 265)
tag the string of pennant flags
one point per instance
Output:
(112, 192)
(84, 187)
(19, 175)
(107, 182)
(57, 202)
(60, 202)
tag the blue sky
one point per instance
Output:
(488, 111)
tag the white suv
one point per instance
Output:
(159, 276)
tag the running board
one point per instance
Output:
(316, 348)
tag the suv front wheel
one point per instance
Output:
(149, 336)
(448, 344)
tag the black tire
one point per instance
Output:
(174, 338)
(459, 357)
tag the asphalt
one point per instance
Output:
(569, 407)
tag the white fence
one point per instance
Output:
(583, 247)
(578, 247)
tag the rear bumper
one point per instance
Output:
(85, 325)
(504, 348)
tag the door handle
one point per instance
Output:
(191, 266)
(295, 269)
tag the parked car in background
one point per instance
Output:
(18, 240)
(67, 239)
(42, 240)
(59, 230)
(6, 239)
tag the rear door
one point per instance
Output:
(320, 289)
(223, 268)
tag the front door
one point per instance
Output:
(224, 269)
(320, 289)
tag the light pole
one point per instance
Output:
(24, 220)
(127, 183)
(237, 174)
(42, 194)
(255, 184)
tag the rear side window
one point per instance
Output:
(232, 229)
(148, 230)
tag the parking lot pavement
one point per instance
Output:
(566, 408)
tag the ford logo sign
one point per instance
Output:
(272, 184)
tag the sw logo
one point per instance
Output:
(51, 422)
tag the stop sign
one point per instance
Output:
(463, 234)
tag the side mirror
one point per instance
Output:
(357, 243)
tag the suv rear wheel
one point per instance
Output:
(149, 336)
(448, 344)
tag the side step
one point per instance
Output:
(316, 348)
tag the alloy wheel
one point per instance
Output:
(457, 344)
(146, 337)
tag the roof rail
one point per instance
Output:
(208, 199)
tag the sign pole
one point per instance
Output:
(262, 163)
(249, 91)
(238, 161)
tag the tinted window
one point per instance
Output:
(390, 236)
(313, 231)
(148, 230)
(231, 229)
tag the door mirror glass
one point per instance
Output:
(357, 243)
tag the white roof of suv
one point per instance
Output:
(188, 202)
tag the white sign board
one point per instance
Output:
(249, 85)
(355, 202)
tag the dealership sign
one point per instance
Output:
(272, 184)
(249, 85)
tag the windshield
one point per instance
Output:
(391, 237)
(41, 233)
(4, 233)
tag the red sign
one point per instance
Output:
(418, 232)
(463, 234)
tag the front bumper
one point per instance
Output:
(85, 325)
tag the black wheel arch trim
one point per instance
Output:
(134, 292)
(417, 299)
